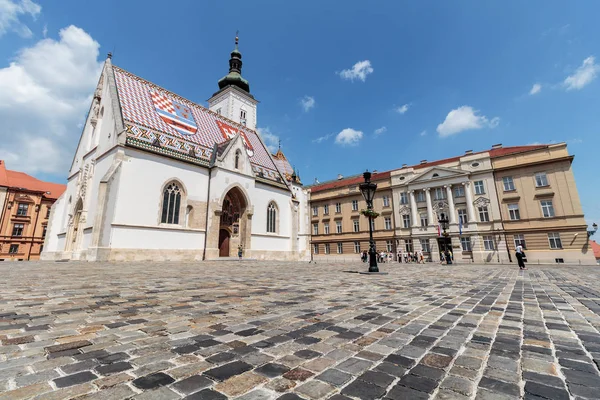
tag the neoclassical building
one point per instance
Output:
(158, 177)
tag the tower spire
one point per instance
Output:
(234, 77)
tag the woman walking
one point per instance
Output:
(520, 257)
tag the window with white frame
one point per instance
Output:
(171, 204)
(554, 239)
(18, 229)
(479, 188)
(13, 249)
(357, 247)
(338, 226)
(408, 245)
(237, 159)
(406, 221)
(439, 194)
(387, 223)
(372, 224)
(386, 201)
(425, 246)
(338, 207)
(420, 195)
(326, 209)
(389, 246)
(459, 191)
(513, 212)
(462, 216)
(547, 208)
(327, 248)
(315, 211)
(541, 179)
(315, 229)
(22, 209)
(340, 248)
(424, 221)
(465, 243)
(484, 215)
(272, 218)
(315, 249)
(242, 114)
(354, 205)
(508, 183)
(519, 240)
(326, 228)
(403, 198)
(488, 242)
(356, 225)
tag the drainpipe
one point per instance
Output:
(501, 219)
(207, 208)
(5, 209)
(34, 226)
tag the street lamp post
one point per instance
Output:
(594, 229)
(368, 191)
(445, 223)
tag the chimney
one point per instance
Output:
(404, 165)
(497, 146)
(469, 152)
(340, 177)
(423, 161)
(374, 171)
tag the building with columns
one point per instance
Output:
(494, 200)
(158, 177)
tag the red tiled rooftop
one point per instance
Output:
(596, 248)
(18, 179)
(355, 180)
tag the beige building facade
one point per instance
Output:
(493, 199)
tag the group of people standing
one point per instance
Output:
(386, 257)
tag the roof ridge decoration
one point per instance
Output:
(184, 129)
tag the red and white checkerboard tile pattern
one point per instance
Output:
(138, 109)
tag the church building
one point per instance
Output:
(158, 177)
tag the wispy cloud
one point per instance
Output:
(10, 13)
(323, 138)
(381, 130)
(535, 89)
(307, 103)
(583, 76)
(348, 137)
(403, 109)
(359, 71)
(465, 118)
(270, 139)
(423, 133)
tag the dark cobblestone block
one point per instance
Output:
(206, 394)
(581, 378)
(64, 353)
(113, 358)
(377, 378)
(272, 370)
(544, 379)
(334, 377)
(500, 386)
(187, 349)
(576, 365)
(292, 396)
(113, 368)
(428, 372)
(419, 383)
(221, 357)
(363, 390)
(400, 392)
(91, 354)
(80, 366)
(153, 381)
(307, 354)
(228, 370)
(74, 379)
(391, 369)
(547, 392)
(400, 360)
(192, 384)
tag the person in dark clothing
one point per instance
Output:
(520, 257)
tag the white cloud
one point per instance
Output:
(423, 133)
(535, 89)
(464, 118)
(44, 94)
(323, 138)
(381, 130)
(307, 103)
(269, 139)
(583, 76)
(403, 109)
(360, 70)
(348, 137)
(11, 10)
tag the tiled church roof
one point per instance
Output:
(284, 165)
(143, 124)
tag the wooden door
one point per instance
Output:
(223, 243)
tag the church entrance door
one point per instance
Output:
(223, 243)
(233, 223)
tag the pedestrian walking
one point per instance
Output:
(240, 250)
(520, 257)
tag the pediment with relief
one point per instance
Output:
(23, 198)
(438, 173)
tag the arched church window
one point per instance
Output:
(237, 159)
(272, 218)
(171, 204)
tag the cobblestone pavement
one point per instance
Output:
(255, 330)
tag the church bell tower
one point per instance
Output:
(233, 100)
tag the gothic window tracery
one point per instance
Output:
(272, 218)
(171, 204)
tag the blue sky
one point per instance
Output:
(434, 78)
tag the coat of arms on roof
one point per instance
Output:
(229, 132)
(175, 114)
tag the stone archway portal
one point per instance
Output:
(232, 227)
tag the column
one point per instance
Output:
(470, 207)
(451, 204)
(429, 206)
(413, 210)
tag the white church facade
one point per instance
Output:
(158, 177)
